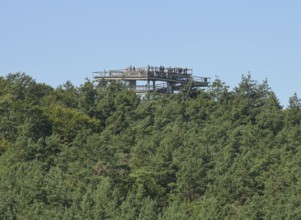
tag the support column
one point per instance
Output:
(169, 87)
(132, 84)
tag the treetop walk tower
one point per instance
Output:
(152, 78)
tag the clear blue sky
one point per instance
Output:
(55, 41)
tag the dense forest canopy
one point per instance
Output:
(99, 151)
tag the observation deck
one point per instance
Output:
(152, 78)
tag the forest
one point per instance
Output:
(99, 151)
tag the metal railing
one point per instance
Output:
(150, 71)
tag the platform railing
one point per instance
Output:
(150, 71)
(149, 88)
(202, 79)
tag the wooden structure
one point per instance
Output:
(152, 78)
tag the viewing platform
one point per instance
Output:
(152, 78)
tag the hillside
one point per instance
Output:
(98, 151)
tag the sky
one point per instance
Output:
(59, 40)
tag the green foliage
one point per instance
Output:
(99, 151)
(68, 122)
